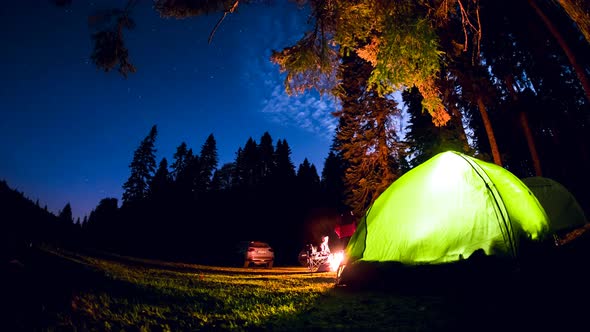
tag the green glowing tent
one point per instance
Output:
(561, 206)
(445, 209)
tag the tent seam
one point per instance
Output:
(507, 223)
(366, 231)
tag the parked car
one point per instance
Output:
(256, 253)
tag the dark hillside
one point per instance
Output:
(23, 222)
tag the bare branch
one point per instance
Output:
(231, 10)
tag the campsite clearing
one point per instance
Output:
(58, 289)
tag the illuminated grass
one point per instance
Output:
(168, 296)
(114, 293)
(59, 290)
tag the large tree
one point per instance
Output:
(180, 172)
(223, 178)
(423, 138)
(332, 182)
(307, 176)
(246, 163)
(181, 160)
(285, 169)
(143, 165)
(576, 14)
(102, 228)
(266, 164)
(161, 185)
(65, 215)
(208, 160)
(367, 136)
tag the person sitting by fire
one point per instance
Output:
(324, 249)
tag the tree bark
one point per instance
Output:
(490, 131)
(577, 12)
(456, 116)
(457, 119)
(524, 123)
(568, 52)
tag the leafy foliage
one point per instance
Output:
(409, 56)
(308, 64)
(188, 8)
(397, 38)
(109, 45)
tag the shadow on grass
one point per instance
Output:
(46, 289)
(373, 309)
(57, 289)
(546, 290)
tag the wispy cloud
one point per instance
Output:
(309, 112)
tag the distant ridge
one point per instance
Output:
(22, 222)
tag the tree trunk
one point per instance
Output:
(568, 52)
(456, 116)
(524, 123)
(490, 131)
(457, 119)
(575, 10)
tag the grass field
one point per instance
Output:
(62, 290)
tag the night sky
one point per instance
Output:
(68, 130)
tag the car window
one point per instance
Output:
(259, 245)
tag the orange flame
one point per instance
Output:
(335, 260)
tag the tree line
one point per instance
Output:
(191, 208)
(501, 80)
(508, 79)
